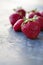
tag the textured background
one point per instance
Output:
(15, 48)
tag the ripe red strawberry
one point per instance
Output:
(40, 20)
(38, 13)
(33, 13)
(13, 18)
(42, 13)
(31, 28)
(21, 12)
(17, 25)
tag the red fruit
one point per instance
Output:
(40, 20)
(21, 12)
(42, 14)
(17, 25)
(31, 29)
(13, 18)
(38, 13)
(33, 13)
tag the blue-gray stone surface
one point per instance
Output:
(15, 47)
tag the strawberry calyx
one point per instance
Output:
(35, 17)
(31, 19)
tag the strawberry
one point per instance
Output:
(21, 12)
(17, 25)
(40, 20)
(42, 13)
(31, 28)
(33, 13)
(38, 13)
(13, 18)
